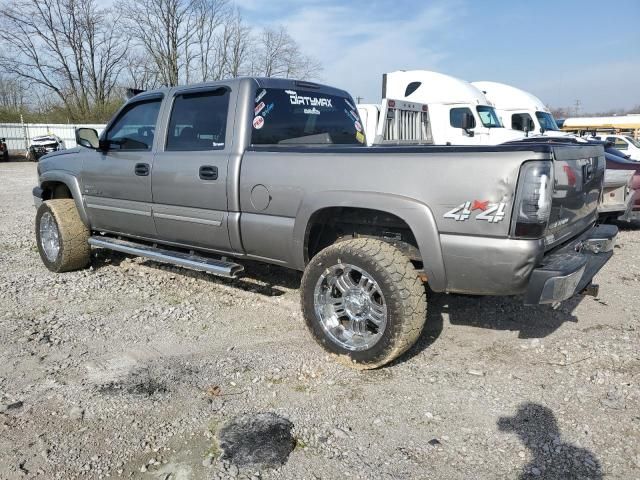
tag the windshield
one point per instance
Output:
(305, 117)
(633, 142)
(488, 116)
(547, 121)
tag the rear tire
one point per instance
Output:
(363, 299)
(61, 236)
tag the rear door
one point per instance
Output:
(117, 183)
(189, 180)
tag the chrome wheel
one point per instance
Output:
(350, 306)
(49, 236)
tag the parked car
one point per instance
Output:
(278, 171)
(42, 145)
(624, 143)
(616, 163)
(4, 151)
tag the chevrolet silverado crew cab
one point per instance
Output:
(278, 171)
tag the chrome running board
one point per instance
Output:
(195, 262)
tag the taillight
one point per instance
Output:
(533, 199)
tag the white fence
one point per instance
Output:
(18, 135)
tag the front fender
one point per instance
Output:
(72, 183)
(417, 215)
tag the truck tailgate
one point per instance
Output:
(579, 175)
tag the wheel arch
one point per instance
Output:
(56, 184)
(416, 215)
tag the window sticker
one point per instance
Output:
(358, 126)
(312, 111)
(360, 137)
(260, 95)
(296, 99)
(351, 114)
(259, 108)
(349, 104)
(267, 110)
(258, 122)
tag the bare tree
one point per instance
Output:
(279, 55)
(12, 93)
(234, 46)
(178, 35)
(201, 54)
(67, 47)
(140, 72)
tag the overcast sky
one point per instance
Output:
(561, 51)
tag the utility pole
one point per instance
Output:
(577, 107)
(359, 99)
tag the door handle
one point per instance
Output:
(142, 169)
(208, 172)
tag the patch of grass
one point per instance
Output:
(173, 300)
(299, 444)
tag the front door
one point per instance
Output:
(116, 183)
(189, 180)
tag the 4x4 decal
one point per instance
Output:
(489, 212)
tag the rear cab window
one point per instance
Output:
(199, 121)
(305, 117)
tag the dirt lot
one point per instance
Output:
(129, 368)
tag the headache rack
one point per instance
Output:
(403, 123)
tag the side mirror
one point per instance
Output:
(467, 123)
(87, 137)
(103, 145)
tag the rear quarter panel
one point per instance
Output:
(434, 179)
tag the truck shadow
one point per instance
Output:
(551, 457)
(631, 226)
(495, 313)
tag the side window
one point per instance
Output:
(521, 120)
(618, 143)
(199, 121)
(621, 144)
(135, 128)
(456, 114)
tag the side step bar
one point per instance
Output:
(211, 265)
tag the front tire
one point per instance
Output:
(363, 299)
(62, 237)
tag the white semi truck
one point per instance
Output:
(458, 112)
(520, 110)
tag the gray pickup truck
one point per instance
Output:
(278, 171)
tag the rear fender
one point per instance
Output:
(417, 215)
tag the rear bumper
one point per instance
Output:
(570, 269)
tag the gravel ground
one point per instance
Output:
(129, 368)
